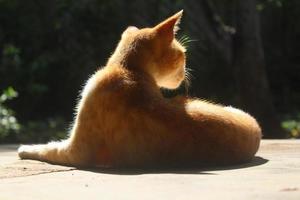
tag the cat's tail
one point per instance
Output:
(53, 152)
(247, 134)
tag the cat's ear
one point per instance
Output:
(168, 28)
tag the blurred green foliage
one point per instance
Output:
(292, 126)
(38, 131)
(262, 4)
(41, 131)
(8, 122)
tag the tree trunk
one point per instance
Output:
(203, 22)
(249, 67)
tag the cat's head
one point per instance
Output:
(155, 51)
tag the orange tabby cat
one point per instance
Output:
(124, 121)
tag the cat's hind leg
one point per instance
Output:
(54, 152)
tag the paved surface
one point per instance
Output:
(274, 174)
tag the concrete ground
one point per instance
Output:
(273, 174)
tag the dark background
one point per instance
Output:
(243, 53)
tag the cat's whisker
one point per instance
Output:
(182, 38)
(188, 74)
(187, 42)
(184, 41)
(187, 80)
(186, 87)
(189, 69)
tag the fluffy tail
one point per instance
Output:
(248, 134)
(54, 152)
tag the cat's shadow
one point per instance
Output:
(179, 170)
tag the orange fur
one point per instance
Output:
(124, 121)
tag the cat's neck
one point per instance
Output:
(136, 74)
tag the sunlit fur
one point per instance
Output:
(123, 120)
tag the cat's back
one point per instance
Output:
(107, 81)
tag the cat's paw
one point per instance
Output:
(24, 151)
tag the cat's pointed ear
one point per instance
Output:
(168, 28)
